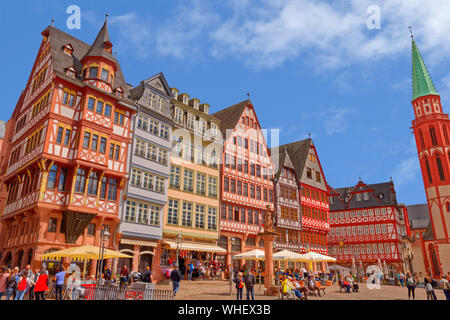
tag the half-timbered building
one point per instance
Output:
(246, 176)
(68, 150)
(308, 232)
(367, 224)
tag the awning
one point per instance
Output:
(192, 246)
(142, 243)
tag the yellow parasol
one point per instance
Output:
(85, 253)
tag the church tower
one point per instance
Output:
(430, 128)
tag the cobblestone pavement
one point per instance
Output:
(220, 290)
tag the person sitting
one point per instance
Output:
(348, 282)
(312, 287)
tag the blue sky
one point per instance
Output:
(310, 66)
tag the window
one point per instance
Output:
(233, 186)
(91, 104)
(175, 177)
(112, 190)
(245, 189)
(186, 216)
(130, 211)
(199, 216)
(99, 108)
(118, 118)
(87, 139)
(68, 99)
(104, 185)
(80, 181)
(440, 169)
(159, 184)
(147, 182)
(93, 72)
(188, 180)
(178, 116)
(309, 173)
(94, 144)
(108, 111)
(62, 179)
(212, 218)
(249, 216)
(252, 191)
(67, 137)
(428, 170)
(318, 178)
(154, 215)
(51, 180)
(103, 142)
(212, 187)
(52, 225)
(105, 75)
(226, 185)
(93, 184)
(433, 136)
(136, 178)
(422, 143)
(59, 136)
(142, 216)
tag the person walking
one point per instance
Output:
(124, 276)
(41, 285)
(32, 284)
(190, 270)
(411, 285)
(59, 281)
(22, 286)
(446, 286)
(3, 281)
(401, 278)
(73, 284)
(239, 282)
(11, 285)
(250, 281)
(431, 295)
(175, 277)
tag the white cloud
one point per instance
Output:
(336, 120)
(406, 170)
(135, 33)
(267, 33)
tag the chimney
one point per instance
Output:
(175, 93)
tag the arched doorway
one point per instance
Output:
(434, 261)
(30, 256)
(8, 259)
(145, 260)
(20, 259)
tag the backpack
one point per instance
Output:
(410, 282)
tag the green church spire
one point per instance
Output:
(422, 83)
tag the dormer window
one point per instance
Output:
(68, 49)
(71, 72)
(93, 72)
(119, 92)
(185, 100)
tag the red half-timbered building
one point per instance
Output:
(313, 199)
(66, 158)
(247, 185)
(367, 225)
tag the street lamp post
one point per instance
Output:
(231, 277)
(179, 240)
(104, 237)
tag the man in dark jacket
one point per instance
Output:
(250, 281)
(175, 277)
(147, 275)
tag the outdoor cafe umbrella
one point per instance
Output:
(85, 253)
(287, 255)
(250, 255)
(316, 257)
(256, 255)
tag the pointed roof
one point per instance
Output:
(419, 216)
(422, 83)
(230, 116)
(101, 42)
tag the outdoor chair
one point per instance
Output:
(320, 287)
(289, 294)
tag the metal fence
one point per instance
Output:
(136, 292)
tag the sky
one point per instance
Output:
(338, 70)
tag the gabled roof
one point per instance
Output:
(230, 116)
(385, 188)
(167, 91)
(298, 153)
(419, 216)
(61, 61)
(422, 83)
